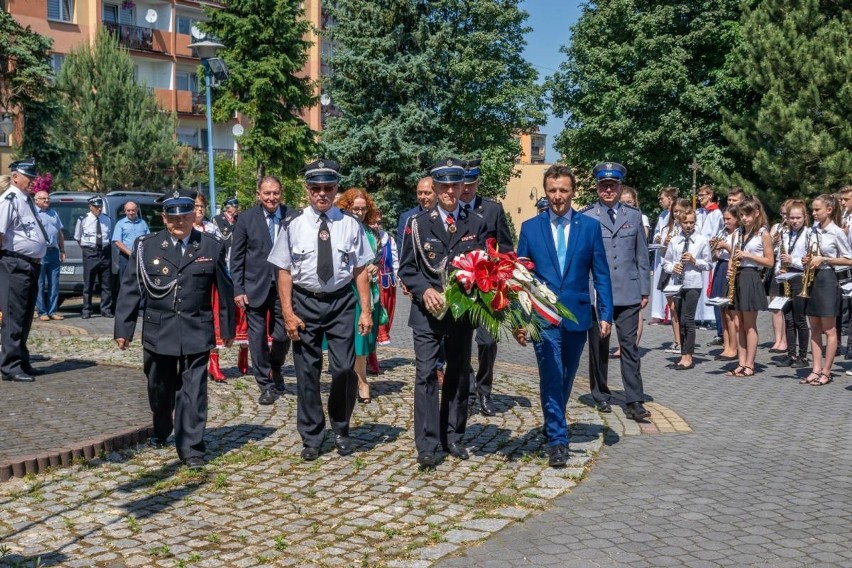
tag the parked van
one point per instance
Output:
(71, 205)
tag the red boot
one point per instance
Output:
(213, 368)
(242, 359)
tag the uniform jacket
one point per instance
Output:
(626, 252)
(403, 221)
(585, 254)
(437, 245)
(250, 245)
(495, 219)
(181, 322)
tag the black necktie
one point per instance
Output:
(98, 233)
(38, 221)
(179, 247)
(611, 213)
(325, 265)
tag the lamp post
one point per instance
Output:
(212, 67)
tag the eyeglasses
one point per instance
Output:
(322, 188)
(359, 209)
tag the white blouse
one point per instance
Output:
(699, 247)
(753, 246)
(795, 244)
(833, 243)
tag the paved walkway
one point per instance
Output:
(762, 479)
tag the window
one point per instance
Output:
(56, 60)
(184, 25)
(186, 82)
(62, 10)
(112, 14)
(4, 139)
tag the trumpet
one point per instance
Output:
(812, 249)
(734, 267)
(714, 241)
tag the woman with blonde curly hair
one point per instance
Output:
(358, 202)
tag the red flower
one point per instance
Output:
(466, 265)
(501, 299)
(483, 274)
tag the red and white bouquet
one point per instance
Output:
(497, 291)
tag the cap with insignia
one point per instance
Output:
(542, 204)
(321, 172)
(232, 202)
(178, 201)
(471, 173)
(26, 167)
(450, 170)
(96, 201)
(609, 170)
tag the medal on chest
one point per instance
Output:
(323, 235)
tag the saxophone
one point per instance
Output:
(734, 267)
(788, 290)
(811, 249)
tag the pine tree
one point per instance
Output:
(418, 81)
(118, 135)
(265, 50)
(643, 84)
(796, 133)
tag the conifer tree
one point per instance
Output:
(795, 133)
(119, 137)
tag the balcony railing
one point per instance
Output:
(217, 153)
(132, 37)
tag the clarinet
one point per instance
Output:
(734, 266)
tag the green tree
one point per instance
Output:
(643, 83)
(25, 77)
(266, 50)
(417, 81)
(118, 135)
(795, 134)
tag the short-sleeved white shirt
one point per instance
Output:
(19, 225)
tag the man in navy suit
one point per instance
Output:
(426, 198)
(256, 287)
(565, 247)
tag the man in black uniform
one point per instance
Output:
(23, 244)
(498, 229)
(175, 270)
(436, 237)
(227, 219)
(93, 232)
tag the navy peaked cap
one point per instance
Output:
(321, 172)
(609, 170)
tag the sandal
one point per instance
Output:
(809, 380)
(736, 372)
(821, 382)
(744, 373)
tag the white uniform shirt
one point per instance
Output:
(699, 248)
(833, 243)
(19, 225)
(295, 249)
(795, 243)
(753, 246)
(86, 230)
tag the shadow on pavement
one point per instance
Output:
(371, 435)
(49, 559)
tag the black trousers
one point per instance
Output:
(266, 321)
(686, 302)
(333, 319)
(440, 425)
(177, 393)
(626, 324)
(18, 294)
(796, 322)
(97, 270)
(483, 378)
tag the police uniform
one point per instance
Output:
(24, 244)
(433, 241)
(176, 278)
(498, 229)
(627, 256)
(226, 224)
(93, 233)
(309, 243)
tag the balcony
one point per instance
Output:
(217, 153)
(139, 38)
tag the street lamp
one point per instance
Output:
(213, 67)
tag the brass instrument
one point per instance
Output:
(811, 249)
(788, 290)
(734, 267)
(714, 241)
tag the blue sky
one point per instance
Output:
(550, 21)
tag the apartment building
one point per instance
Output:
(157, 34)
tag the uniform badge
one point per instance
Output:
(449, 162)
(609, 165)
(320, 164)
(165, 245)
(431, 256)
(156, 281)
(452, 228)
(176, 194)
(434, 214)
(195, 245)
(427, 246)
(408, 230)
(156, 261)
(323, 235)
(165, 270)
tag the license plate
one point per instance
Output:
(67, 269)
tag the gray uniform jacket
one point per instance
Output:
(626, 252)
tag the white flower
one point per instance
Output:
(521, 274)
(546, 294)
(525, 301)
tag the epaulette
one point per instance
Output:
(292, 214)
(10, 196)
(588, 207)
(430, 213)
(143, 237)
(490, 200)
(83, 216)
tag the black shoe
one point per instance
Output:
(636, 411)
(679, 367)
(267, 396)
(486, 406)
(800, 363)
(603, 407)
(544, 433)
(157, 443)
(19, 378)
(557, 456)
(848, 355)
(32, 371)
(85, 316)
(427, 459)
(457, 450)
(278, 380)
(195, 462)
(309, 454)
(343, 444)
(108, 316)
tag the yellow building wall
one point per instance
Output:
(523, 191)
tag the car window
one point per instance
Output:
(152, 213)
(69, 212)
